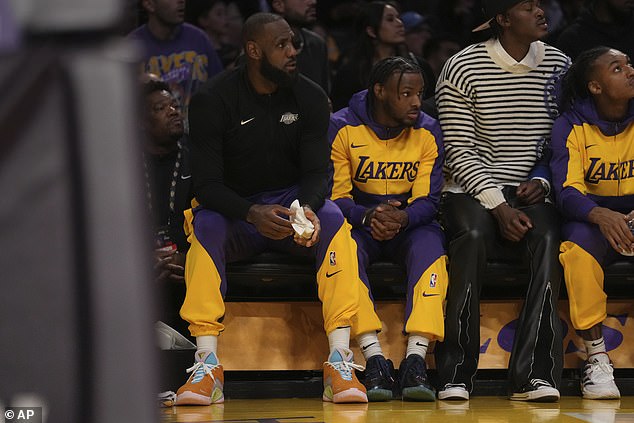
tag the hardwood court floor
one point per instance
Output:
(479, 409)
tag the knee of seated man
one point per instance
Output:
(330, 215)
(474, 234)
(208, 221)
(546, 231)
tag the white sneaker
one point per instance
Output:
(537, 390)
(597, 381)
(454, 392)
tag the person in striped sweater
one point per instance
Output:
(496, 106)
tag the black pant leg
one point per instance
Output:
(470, 229)
(538, 345)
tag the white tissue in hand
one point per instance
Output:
(300, 222)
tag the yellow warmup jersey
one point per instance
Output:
(592, 163)
(379, 167)
(600, 165)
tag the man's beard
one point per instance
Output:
(277, 76)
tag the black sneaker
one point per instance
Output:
(379, 378)
(537, 390)
(412, 376)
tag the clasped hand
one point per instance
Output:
(386, 220)
(513, 223)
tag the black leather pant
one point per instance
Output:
(473, 236)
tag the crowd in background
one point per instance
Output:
(431, 31)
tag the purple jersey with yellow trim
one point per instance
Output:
(372, 163)
(593, 161)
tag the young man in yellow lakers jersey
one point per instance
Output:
(593, 175)
(387, 157)
(259, 141)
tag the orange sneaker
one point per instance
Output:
(204, 386)
(340, 382)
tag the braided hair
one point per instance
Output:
(383, 69)
(575, 82)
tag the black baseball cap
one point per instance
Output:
(492, 8)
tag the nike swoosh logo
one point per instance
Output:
(597, 344)
(186, 177)
(330, 275)
(357, 146)
(590, 145)
(430, 295)
(421, 345)
(367, 346)
(244, 122)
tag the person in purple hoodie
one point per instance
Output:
(179, 53)
(387, 175)
(593, 179)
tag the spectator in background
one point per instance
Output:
(259, 142)
(593, 180)
(334, 53)
(387, 158)
(381, 34)
(211, 17)
(417, 32)
(169, 189)
(439, 49)
(235, 20)
(179, 53)
(167, 169)
(459, 17)
(556, 19)
(312, 53)
(496, 112)
(602, 23)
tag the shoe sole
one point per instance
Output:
(191, 398)
(551, 395)
(453, 396)
(348, 396)
(418, 393)
(600, 396)
(378, 395)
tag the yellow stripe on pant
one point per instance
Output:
(338, 281)
(427, 316)
(584, 282)
(203, 306)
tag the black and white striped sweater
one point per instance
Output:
(496, 115)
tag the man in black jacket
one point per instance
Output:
(259, 142)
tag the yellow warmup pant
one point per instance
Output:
(584, 282)
(214, 239)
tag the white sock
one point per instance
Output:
(207, 343)
(369, 344)
(417, 344)
(339, 339)
(594, 347)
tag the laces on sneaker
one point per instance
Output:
(200, 369)
(378, 369)
(345, 368)
(538, 383)
(415, 366)
(599, 372)
(455, 385)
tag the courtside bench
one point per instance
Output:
(274, 344)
